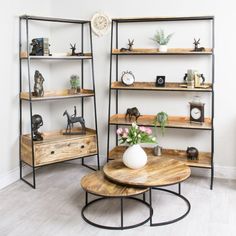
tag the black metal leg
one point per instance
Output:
(179, 187)
(144, 197)
(33, 185)
(212, 176)
(150, 202)
(121, 213)
(173, 220)
(86, 198)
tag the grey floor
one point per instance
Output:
(54, 208)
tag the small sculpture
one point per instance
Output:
(196, 48)
(132, 112)
(37, 47)
(37, 122)
(192, 153)
(73, 53)
(38, 84)
(130, 48)
(75, 84)
(157, 150)
(71, 120)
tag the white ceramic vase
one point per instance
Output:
(135, 157)
(163, 48)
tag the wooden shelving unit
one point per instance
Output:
(206, 159)
(60, 94)
(154, 51)
(179, 122)
(56, 146)
(168, 87)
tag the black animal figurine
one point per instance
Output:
(132, 112)
(192, 153)
(37, 122)
(38, 84)
(37, 47)
(196, 48)
(71, 120)
(73, 53)
(130, 48)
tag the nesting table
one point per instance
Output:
(119, 181)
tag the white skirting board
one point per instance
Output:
(224, 172)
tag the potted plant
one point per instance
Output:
(161, 119)
(162, 40)
(75, 84)
(134, 156)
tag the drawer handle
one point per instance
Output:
(68, 144)
(82, 146)
(52, 152)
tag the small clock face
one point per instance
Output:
(196, 113)
(127, 78)
(160, 81)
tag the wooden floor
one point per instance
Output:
(54, 208)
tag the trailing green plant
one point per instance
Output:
(160, 37)
(161, 119)
(74, 81)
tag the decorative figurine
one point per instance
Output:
(192, 153)
(160, 81)
(38, 84)
(157, 150)
(73, 53)
(37, 122)
(40, 47)
(196, 48)
(75, 84)
(71, 120)
(132, 112)
(130, 48)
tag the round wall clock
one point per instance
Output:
(100, 23)
(127, 78)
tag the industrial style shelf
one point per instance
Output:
(154, 51)
(85, 57)
(178, 122)
(117, 85)
(55, 95)
(204, 160)
(56, 146)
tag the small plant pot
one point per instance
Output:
(73, 91)
(78, 90)
(163, 48)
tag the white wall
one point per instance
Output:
(225, 127)
(225, 114)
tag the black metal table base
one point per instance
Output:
(122, 226)
(174, 193)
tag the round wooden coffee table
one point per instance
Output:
(156, 173)
(96, 184)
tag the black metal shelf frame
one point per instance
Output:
(114, 43)
(26, 19)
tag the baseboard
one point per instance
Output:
(222, 172)
(10, 177)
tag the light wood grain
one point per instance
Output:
(155, 51)
(173, 121)
(96, 183)
(204, 158)
(23, 55)
(151, 86)
(158, 171)
(56, 147)
(60, 94)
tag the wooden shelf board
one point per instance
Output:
(162, 18)
(86, 56)
(204, 160)
(54, 136)
(60, 94)
(155, 51)
(151, 86)
(173, 122)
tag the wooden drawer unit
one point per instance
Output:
(57, 147)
